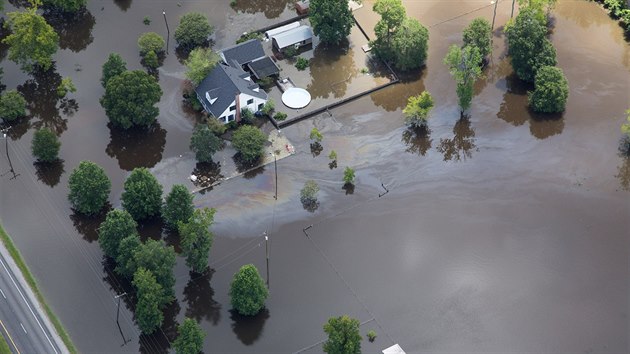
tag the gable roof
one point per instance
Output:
(263, 67)
(243, 53)
(293, 36)
(222, 85)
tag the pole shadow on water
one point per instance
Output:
(248, 328)
(198, 295)
(87, 225)
(461, 146)
(74, 29)
(417, 140)
(49, 172)
(136, 147)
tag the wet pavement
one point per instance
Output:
(501, 231)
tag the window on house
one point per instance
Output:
(250, 101)
(232, 108)
(224, 120)
(230, 118)
(260, 106)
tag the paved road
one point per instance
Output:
(21, 323)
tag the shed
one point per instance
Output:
(298, 37)
(302, 7)
(275, 31)
(263, 67)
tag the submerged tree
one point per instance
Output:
(464, 65)
(417, 110)
(479, 34)
(193, 30)
(130, 99)
(89, 188)
(45, 145)
(200, 63)
(331, 20)
(410, 45)
(114, 66)
(247, 291)
(12, 105)
(160, 260)
(150, 42)
(204, 143)
(249, 141)
(308, 195)
(149, 293)
(178, 206)
(392, 16)
(190, 338)
(348, 175)
(343, 336)
(551, 91)
(118, 225)
(196, 238)
(142, 196)
(68, 6)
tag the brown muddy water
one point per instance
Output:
(501, 232)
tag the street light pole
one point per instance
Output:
(275, 165)
(495, 2)
(512, 14)
(168, 31)
(267, 256)
(118, 308)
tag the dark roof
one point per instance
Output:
(263, 67)
(224, 83)
(244, 53)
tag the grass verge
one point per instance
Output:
(17, 257)
(4, 346)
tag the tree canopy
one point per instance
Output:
(247, 291)
(193, 30)
(178, 206)
(115, 65)
(66, 5)
(125, 262)
(528, 45)
(392, 16)
(331, 20)
(158, 258)
(89, 188)
(464, 66)
(142, 195)
(196, 238)
(130, 98)
(551, 91)
(190, 338)
(343, 336)
(118, 224)
(150, 42)
(204, 143)
(148, 292)
(32, 41)
(200, 63)
(249, 141)
(348, 175)
(45, 145)
(410, 45)
(417, 110)
(12, 105)
(479, 34)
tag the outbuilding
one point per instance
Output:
(295, 37)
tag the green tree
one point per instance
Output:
(178, 206)
(268, 107)
(130, 98)
(148, 291)
(392, 16)
(151, 60)
(528, 46)
(89, 188)
(249, 141)
(464, 66)
(12, 105)
(541, 8)
(331, 20)
(316, 136)
(410, 45)
(114, 66)
(204, 143)
(32, 41)
(343, 336)
(417, 110)
(45, 145)
(118, 225)
(247, 291)
(158, 258)
(196, 238)
(308, 194)
(333, 155)
(125, 261)
(551, 91)
(66, 5)
(65, 86)
(150, 42)
(200, 63)
(348, 175)
(479, 34)
(142, 196)
(190, 338)
(193, 30)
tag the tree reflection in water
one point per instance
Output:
(160, 340)
(87, 225)
(49, 172)
(462, 144)
(198, 294)
(418, 140)
(248, 328)
(136, 147)
(124, 5)
(623, 173)
(74, 29)
(271, 8)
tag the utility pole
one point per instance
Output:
(6, 148)
(495, 2)
(512, 14)
(168, 31)
(118, 315)
(267, 256)
(275, 165)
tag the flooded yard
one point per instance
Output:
(504, 231)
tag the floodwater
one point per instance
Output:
(502, 231)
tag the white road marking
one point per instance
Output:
(24, 329)
(2, 292)
(29, 307)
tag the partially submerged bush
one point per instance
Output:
(308, 195)
(280, 116)
(301, 63)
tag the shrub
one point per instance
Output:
(216, 127)
(343, 336)
(290, 52)
(45, 145)
(204, 143)
(146, 20)
(316, 136)
(348, 175)
(247, 291)
(142, 195)
(265, 81)
(249, 141)
(308, 194)
(280, 116)
(12, 105)
(551, 91)
(247, 116)
(371, 334)
(200, 63)
(65, 86)
(89, 188)
(248, 36)
(301, 63)
(417, 110)
(332, 155)
(193, 30)
(151, 60)
(150, 42)
(268, 107)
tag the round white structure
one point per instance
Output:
(296, 98)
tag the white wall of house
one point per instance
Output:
(245, 101)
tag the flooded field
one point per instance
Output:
(502, 232)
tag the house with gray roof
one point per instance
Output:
(227, 90)
(243, 53)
